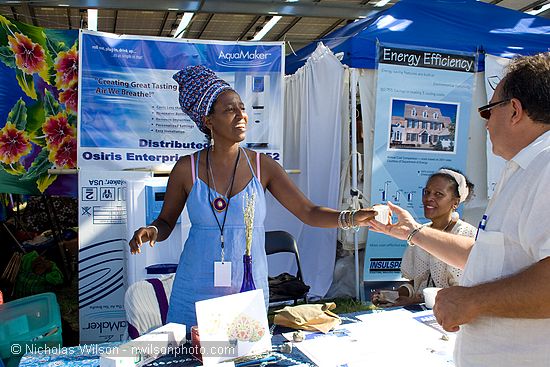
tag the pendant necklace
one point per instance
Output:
(220, 202)
(447, 226)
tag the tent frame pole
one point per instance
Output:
(353, 189)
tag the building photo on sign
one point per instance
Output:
(423, 125)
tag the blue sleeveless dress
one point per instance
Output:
(194, 279)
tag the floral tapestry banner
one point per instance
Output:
(38, 105)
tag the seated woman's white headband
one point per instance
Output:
(463, 190)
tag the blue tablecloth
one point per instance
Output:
(79, 356)
(88, 355)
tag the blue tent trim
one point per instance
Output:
(461, 25)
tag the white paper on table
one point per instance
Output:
(427, 318)
(389, 338)
(241, 317)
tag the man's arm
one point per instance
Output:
(449, 248)
(523, 295)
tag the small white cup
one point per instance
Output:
(383, 215)
(429, 296)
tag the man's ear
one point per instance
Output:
(518, 112)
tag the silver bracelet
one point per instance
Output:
(155, 228)
(412, 234)
(409, 289)
(342, 224)
(354, 226)
(348, 220)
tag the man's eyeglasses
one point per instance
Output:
(485, 111)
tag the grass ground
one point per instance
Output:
(343, 306)
(349, 305)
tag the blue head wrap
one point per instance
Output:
(199, 87)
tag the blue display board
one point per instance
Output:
(423, 102)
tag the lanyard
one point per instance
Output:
(221, 226)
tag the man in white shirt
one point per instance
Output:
(502, 306)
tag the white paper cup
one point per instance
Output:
(429, 296)
(383, 215)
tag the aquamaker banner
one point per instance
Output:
(130, 115)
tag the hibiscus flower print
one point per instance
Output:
(29, 56)
(66, 67)
(14, 144)
(57, 128)
(64, 156)
(70, 98)
(245, 328)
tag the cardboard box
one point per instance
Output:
(145, 349)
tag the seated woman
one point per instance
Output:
(444, 192)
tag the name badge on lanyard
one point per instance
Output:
(222, 274)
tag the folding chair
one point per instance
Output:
(280, 242)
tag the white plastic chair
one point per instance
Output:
(146, 303)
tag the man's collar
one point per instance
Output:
(527, 154)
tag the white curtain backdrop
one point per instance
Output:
(312, 144)
(367, 93)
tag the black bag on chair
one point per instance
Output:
(286, 285)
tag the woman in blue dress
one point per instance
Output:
(214, 183)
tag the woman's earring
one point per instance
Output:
(455, 216)
(212, 143)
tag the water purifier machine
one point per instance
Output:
(144, 203)
(256, 97)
